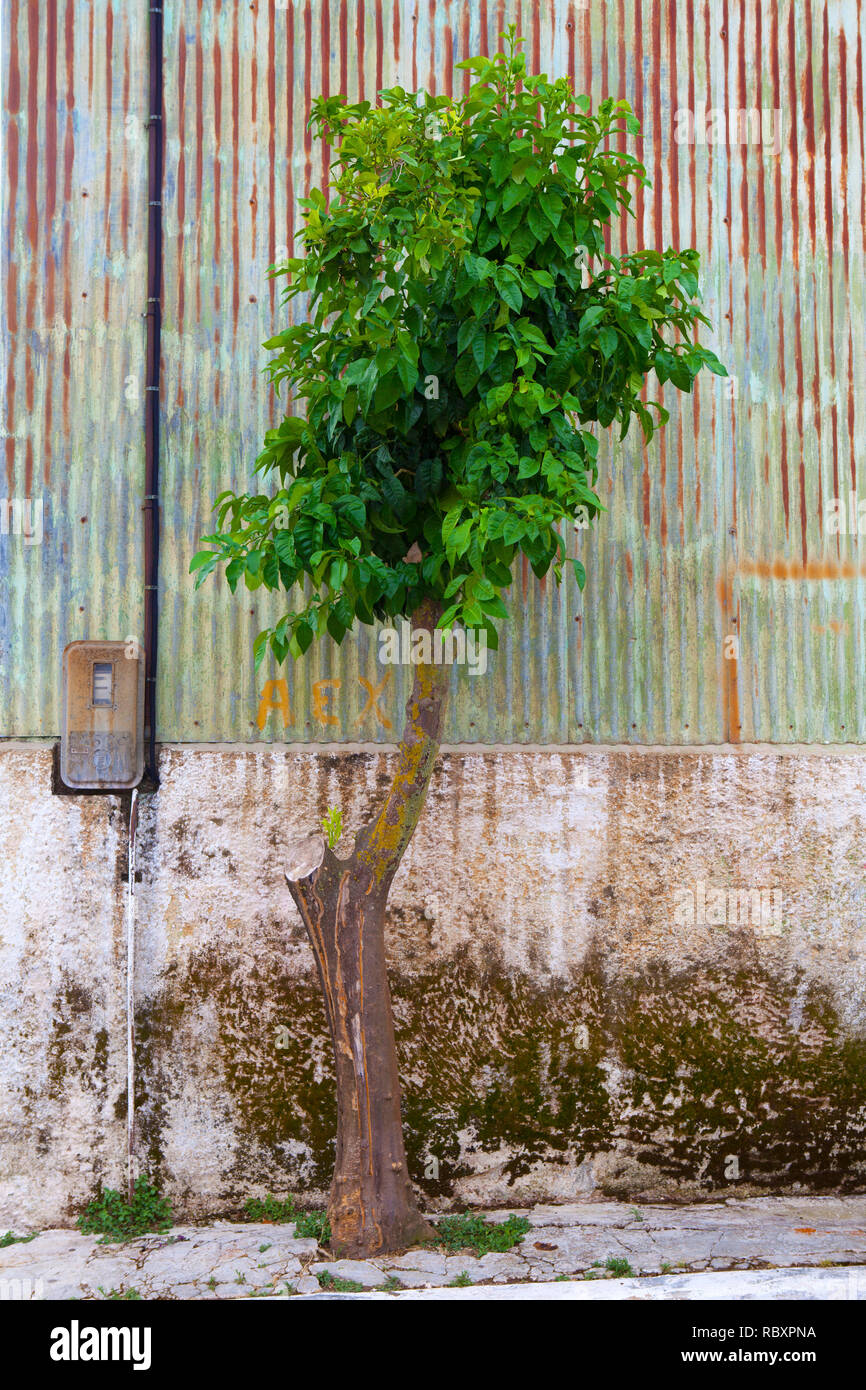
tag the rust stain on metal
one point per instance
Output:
(811, 569)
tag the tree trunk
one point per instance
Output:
(372, 1207)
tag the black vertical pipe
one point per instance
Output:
(151, 393)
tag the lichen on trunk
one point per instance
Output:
(372, 1207)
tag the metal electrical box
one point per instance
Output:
(102, 740)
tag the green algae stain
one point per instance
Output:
(742, 1067)
(672, 1073)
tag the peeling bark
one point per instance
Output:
(372, 1207)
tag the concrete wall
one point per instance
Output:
(575, 1013)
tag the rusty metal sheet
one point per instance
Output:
(720, 603)
(74, 221)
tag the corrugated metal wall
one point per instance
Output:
(719, 528)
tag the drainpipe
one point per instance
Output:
(130, 998)
(151, 390)
(151, 535)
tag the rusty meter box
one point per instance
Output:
(102, 742)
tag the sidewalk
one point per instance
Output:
(783, 1284)
(583, 1250)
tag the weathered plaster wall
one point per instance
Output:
(562, 1028)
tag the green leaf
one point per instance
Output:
(389, 390)
(484, 351)
(466, 373)
(498, 395)
(336, 628)
(478, 268)
(467, 333)
(407, 371)
(539, 225)
(509, 290)
(352, 510)
(301, 639)
(393, 491)
(514, 194)
(450, 524)
(500, 166)
(591, 318)
(551, 205)
(428, 478)
(522, 242)
(458, 541)
(494, 607)
(368, 383)
(304, 535)
(607, 342)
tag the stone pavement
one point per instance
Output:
(584, 1241)
(831, 1285)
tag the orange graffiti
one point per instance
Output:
(373, 700)
(274, 696)
(322, 693)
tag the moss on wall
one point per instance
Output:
(668, 1076)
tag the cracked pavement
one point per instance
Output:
(568, 1242)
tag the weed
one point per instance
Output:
(636, 1215)
(130, 1294)
(618, 1267)
(241, 1278)
(392, 1284)
(468, 1232)
(110, 1215)
(667, 1268)
(332, 824)
(10, 1239)
(463, 1281)
(313, 1223)
(264, 1247)
(279, 1211)
(334, 1284)
(270, 1209)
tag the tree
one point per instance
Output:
(464, 325)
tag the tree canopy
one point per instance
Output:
(464, 329)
